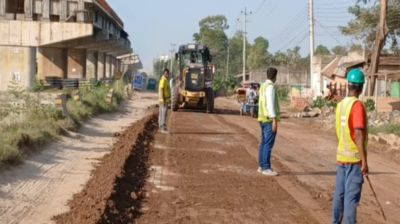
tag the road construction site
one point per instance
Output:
(119, 169)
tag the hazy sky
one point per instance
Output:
(153, 25)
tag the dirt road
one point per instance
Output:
(204, 171)
(41, 187)
(306, 157)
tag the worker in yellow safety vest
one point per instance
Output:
(164, 93)
(268, 116)
(351, 130)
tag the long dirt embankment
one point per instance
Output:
(114, 192)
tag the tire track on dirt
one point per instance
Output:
(213, 178)
(290, 183)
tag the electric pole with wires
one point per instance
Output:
(244, 24)
(315, 80)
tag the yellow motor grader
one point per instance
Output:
(193, 86)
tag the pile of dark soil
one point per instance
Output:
(114, 193)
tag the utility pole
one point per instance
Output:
(227, 62)
(244, 23)
(171, 52)
(314, 78)
(380, 40)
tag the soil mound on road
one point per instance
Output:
(114, 193)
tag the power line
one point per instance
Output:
(335, 3)
(272, 9)
(294, 23)
(300, 24)
(260, 6)
(322, 26)
(288, 43)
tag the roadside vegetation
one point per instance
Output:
(283, 93)
(321, 102)
(26, 123)
(386, 129)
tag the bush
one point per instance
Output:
(38, 86)
(227, 83)
(79, 111)
(9, 153)
(93, 102)
(370, 105)
(321, 102)
(34, 127)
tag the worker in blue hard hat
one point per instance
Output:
(351, 157)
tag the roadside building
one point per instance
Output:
(387, 88)
(286, 76)
(335, 73)
(68, 39)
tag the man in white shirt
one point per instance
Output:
(268, 116)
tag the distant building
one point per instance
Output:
(59, 38)
(286, 76)
(336, 71)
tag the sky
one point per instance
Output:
(153, 25)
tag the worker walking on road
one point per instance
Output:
(351, 130)
(268, 116)
(164, 92)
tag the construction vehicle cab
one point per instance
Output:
(193, 85)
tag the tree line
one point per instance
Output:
(227, 51)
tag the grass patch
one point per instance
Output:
(93, 102)
(21, 138)
(386, 129)
(24, 128)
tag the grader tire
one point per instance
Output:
(175, 99)
(210, 100)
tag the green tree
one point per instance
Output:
(212, 34)
(339, 50)
(236, 53)
(259, 56)
(291, 59)
(363, 26)
(356, 47)
(322, 50)
(279, 59)
(294, 57)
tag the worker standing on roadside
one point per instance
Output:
(164, 92)
(268, 116)
(351, 130)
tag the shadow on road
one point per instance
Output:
(327, 173)
(207, 133)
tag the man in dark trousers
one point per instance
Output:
(268, 116)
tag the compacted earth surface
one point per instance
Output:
(205, 171)
(40, 188)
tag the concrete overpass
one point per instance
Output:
(63, 38)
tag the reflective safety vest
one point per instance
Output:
(263, 115)
(164, 86)
(347, 151)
